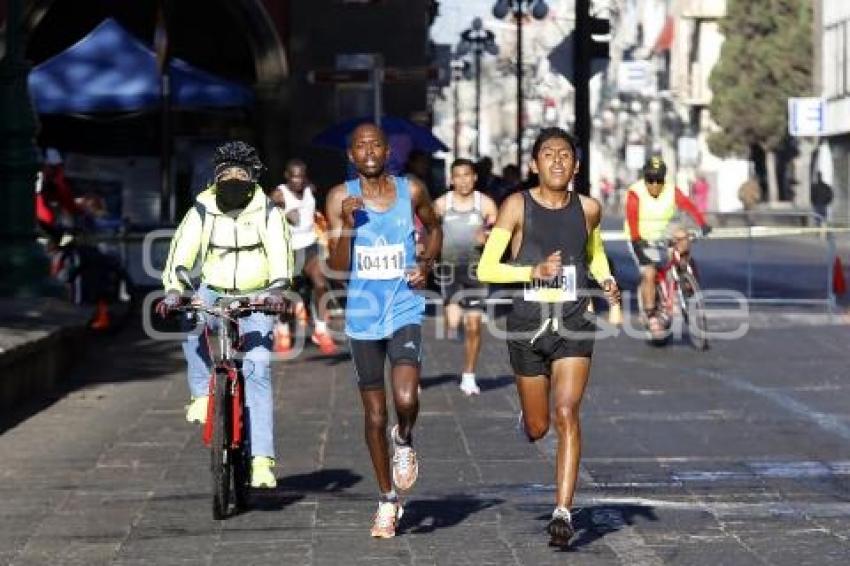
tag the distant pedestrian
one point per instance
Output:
(699, 192)
(749, 193)
(821, 195)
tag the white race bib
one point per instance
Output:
(559, 289)
(379, 262)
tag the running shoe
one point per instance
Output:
(196, 410)
(560, 528)
(262, 472)
(386, 519)
(468, 385)
(405, 464)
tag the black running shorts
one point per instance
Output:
(459, 285)
(404, 347)
(533, 355)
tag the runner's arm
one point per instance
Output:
(632, 217)
(597, 261)
(686, 204)
(183, 251)
(339, 238)
(424, 209)
(490, 268)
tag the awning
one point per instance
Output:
(110, 70)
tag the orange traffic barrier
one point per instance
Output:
(839, 285)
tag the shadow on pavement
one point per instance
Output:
(430, 381)
(427, 515)
(492, 383)
(596, 521)
(291, 489)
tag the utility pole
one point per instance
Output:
(478, 40)
(22, 262)
(586, 49)
(519, 9)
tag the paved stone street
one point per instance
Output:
(739, 455)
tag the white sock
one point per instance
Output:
(397, 439)
(388, 497)
(467, 375)
(562, 513)
(321, 327)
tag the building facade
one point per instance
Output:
(834, 151)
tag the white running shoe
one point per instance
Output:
(468, 385)
(196, 410)
(386, 519)
(405, 464)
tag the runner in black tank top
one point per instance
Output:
(544, 231)
(555, 242)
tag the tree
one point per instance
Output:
(766, 58)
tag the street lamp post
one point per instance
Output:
(460, 71)
(22, 262)
(519, 9)
(478, 40)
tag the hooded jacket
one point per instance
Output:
(249, 252)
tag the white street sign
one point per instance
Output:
(688, 150)
(635, 156)
(634, 76)
(805, 117)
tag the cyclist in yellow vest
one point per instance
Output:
(241, 242)
(651, 209)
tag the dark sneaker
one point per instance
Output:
(560, 528)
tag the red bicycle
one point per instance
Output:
(224, 431)
(677, 289)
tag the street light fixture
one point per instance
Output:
(477, 40)
(519, 9)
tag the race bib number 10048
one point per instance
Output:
(380, 262)
(559, 289)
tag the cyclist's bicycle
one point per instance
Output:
(225, 430)
(677, 288)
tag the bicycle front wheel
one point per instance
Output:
(693, 309)
(219, 448)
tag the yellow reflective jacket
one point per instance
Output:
(242, 254)
(654, 213)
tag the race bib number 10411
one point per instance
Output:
(380, 262)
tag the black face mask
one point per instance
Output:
(233, 194)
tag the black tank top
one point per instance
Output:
(545, 231)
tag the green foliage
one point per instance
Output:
(766, 58)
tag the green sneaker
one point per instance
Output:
(262, 474)
(196, 410)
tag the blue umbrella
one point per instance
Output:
(420, 138)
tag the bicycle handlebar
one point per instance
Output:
(227, 307)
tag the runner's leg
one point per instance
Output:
(534, 399)
(368, 357)
(569, 379)
(472, 330)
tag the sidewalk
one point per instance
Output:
(40, 339)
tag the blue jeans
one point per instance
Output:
(256, 332)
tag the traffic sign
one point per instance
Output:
(364, 76)
(806, 117)
(634, 76)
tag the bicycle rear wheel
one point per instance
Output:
(693, 310)
(219, 448)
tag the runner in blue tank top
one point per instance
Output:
(371, 243)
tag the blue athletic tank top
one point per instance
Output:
(379, 299)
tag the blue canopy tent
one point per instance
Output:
(109, 70)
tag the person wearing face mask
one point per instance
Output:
(241, 243)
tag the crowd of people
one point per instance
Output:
(383, 239)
